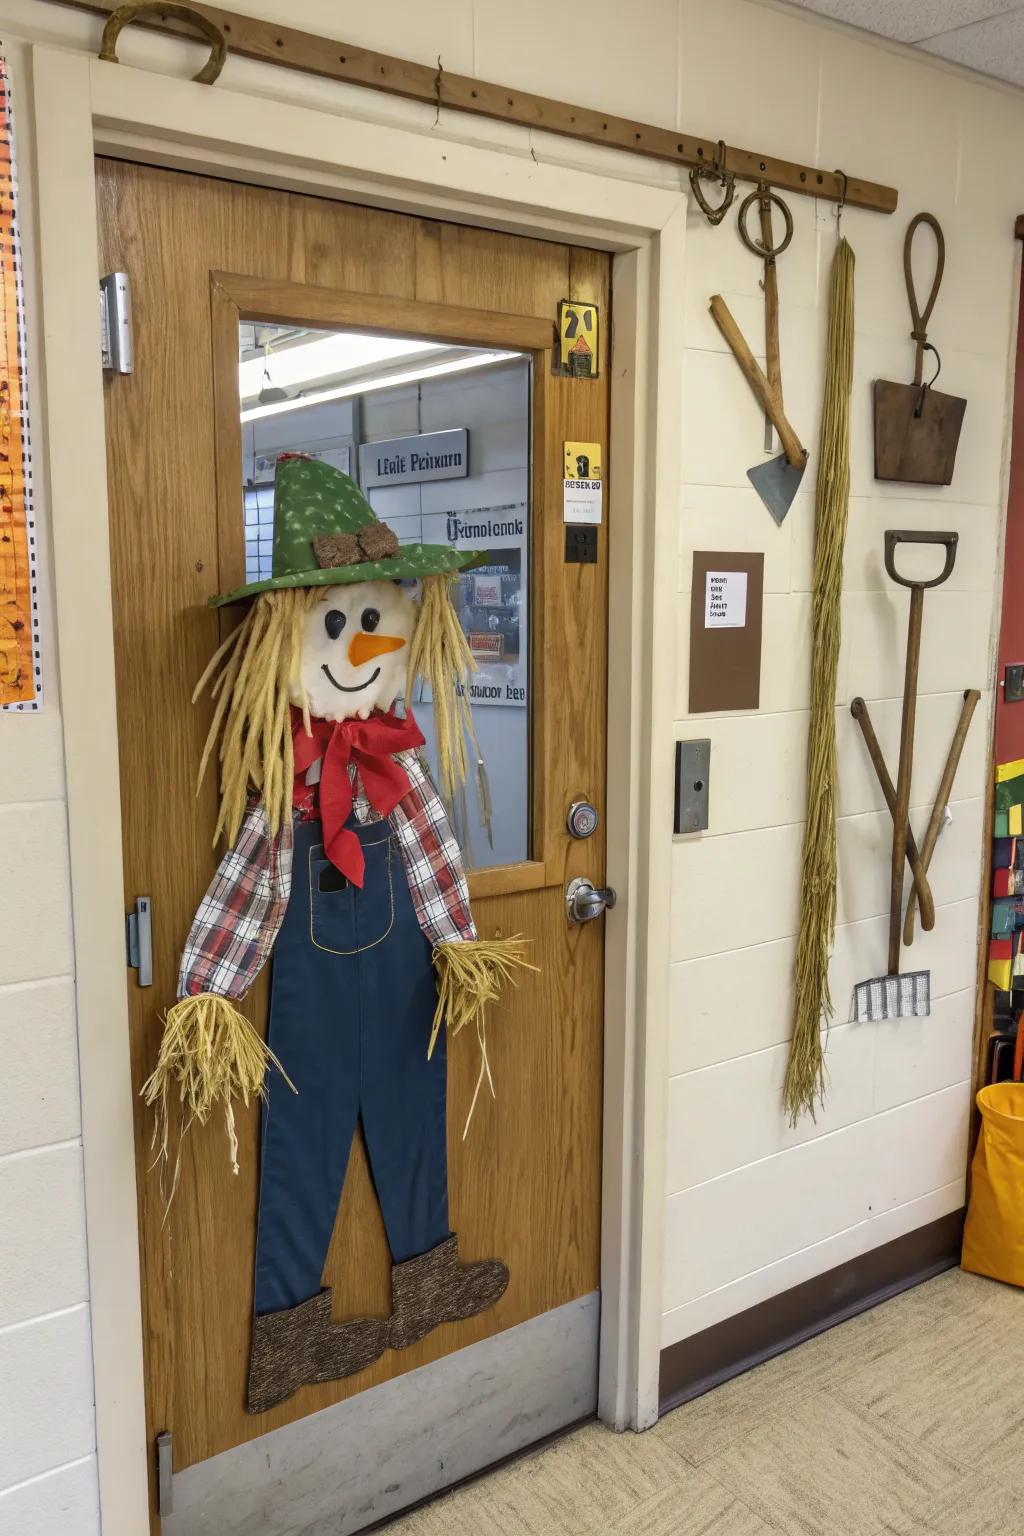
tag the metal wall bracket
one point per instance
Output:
(116, 323)
(164, 1473)
(138, 935)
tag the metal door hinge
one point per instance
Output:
(116, 323)
(138, 934)
(164, 1473)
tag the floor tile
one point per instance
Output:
(955, 1388)
(701, 1428)
(597, 1479)
(902, 1422)
(822, 1467)
(696, 1506)
(972, 1507)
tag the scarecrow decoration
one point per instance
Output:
(342, 863)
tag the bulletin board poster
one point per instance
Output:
(20, 673)
(491, 600)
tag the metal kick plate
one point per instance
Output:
(693, 771)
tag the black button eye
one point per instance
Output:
(334, 622)
(370, 620)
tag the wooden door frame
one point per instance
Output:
(83, 107)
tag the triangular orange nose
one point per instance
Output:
(366, 647)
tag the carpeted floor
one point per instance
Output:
(909, 1421)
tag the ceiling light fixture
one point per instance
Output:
(370, 386)
(327, 357)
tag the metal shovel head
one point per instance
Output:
(777, 482)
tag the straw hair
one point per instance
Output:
(210, 1054)
(805, 1074)
(250, 677)
(470, 976)
(440, 656)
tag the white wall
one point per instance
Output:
(752, 1208)
(47, 1432)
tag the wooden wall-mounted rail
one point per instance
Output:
(266, 41)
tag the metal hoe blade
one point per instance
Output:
(777, 482)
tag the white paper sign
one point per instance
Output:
(725, 600)
(581, 501)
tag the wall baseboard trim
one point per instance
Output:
(707, 1359)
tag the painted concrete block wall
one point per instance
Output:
(753, 1205)
(47, 1433)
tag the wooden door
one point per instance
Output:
(525, 1184)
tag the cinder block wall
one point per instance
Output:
(753, 1206)
(47, 1431)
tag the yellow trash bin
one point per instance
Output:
(994, 1234)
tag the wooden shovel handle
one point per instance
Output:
(768, 399)
(773, 361)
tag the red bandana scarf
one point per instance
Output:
(370, 744)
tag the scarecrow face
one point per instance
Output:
(354, 649)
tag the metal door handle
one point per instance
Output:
(584, 901)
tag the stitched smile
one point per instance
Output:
(358, 687)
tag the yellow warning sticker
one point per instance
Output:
(583, 461)
(578, 331)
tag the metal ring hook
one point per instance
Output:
(841, 202)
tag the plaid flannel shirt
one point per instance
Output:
(234, 930)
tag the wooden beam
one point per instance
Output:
(252, 38)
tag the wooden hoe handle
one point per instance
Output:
(768, 399)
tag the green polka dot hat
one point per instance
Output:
(326, 533)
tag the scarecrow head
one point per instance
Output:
(346, 624)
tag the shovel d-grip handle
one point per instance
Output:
(896, 536)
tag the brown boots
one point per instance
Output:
(297, 1347)
(435, 1288)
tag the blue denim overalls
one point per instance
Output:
(352, 1002)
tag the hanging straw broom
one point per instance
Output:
(805, 1074)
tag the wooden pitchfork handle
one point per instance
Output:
(918, 864)
(931, 836)
(767, 398)
(893, 538)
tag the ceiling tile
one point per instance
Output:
(908, 21)
(995, 47)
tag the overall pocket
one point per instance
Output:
(344, 919)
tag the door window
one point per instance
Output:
(438, 439)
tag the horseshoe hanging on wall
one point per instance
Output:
(127, 13)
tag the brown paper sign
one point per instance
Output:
(725, 631)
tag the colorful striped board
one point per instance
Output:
(20, 672)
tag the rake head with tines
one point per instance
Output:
(904, 996)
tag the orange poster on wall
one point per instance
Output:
(20, 674)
